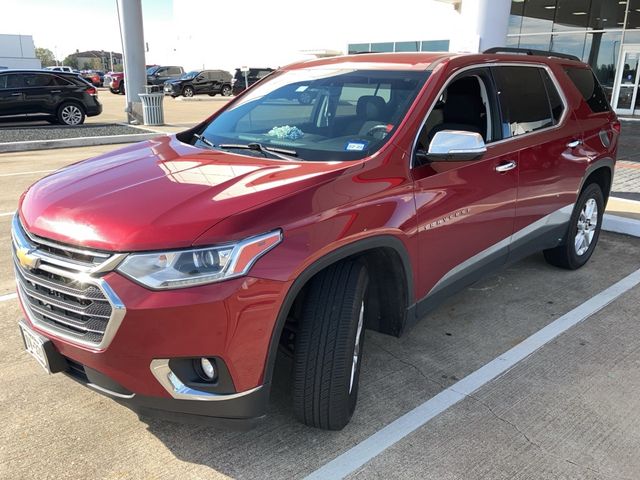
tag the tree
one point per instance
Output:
(46, 56)
(71, 61)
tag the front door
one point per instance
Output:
(465, 209)
(626, 100)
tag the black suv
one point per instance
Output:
(200, 81)
(64, 98)
(242, 82)
(158, 74)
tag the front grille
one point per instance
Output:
(62, 291)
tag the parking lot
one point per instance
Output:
(568, 410)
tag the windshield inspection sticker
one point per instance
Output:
(355, 146)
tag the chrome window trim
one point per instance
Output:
(178, 390)
(474, 66)
(118, 309)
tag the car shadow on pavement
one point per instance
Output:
(467, 331)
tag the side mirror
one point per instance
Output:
(456, 146)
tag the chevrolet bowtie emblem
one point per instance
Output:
(27, 259)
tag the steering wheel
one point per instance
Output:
(373, 131)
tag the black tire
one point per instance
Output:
(188, 91)
(71, 113)
(305, 98)
(226, 91)
(569, 255)
(121, 89)
(212, 94)
(324, 394)
(114, 91)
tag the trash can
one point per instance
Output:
(152, 111)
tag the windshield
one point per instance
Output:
(321, 114)
(152, 70)
(189, 75)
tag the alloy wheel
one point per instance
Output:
(587, 224)
(71, 115)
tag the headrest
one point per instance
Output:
(370, 107)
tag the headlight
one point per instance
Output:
(197, 266)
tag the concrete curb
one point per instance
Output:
(76, 142)
(618, 224)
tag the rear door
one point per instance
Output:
(42, 93)
(11, 94)
(201, 82)
(465, 209)
(537, 122)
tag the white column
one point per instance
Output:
(130, 13)
(488, 20)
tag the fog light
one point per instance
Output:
(208, 369)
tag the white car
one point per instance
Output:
(61, 68)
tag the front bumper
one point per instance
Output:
(231, 320)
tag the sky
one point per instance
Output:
(209, 34)
(63, 26)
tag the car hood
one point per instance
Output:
(158, 194)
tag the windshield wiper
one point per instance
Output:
(281, 153)
(204, 140)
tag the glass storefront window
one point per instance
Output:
(515, 18)
(571, 15)
(407, 46)
(601, 52)
(434, 46)
(572, 43)
(633, 18)
(382, 47)
(538, 16)
(535, 42)
(607, 14)
(358, 47)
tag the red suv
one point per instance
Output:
(169, 274)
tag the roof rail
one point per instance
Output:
(529, 51)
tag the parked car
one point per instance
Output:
(58, 96)
(279, 227)
(242, 81)
(197, 82)
(115, 82)
(92, 77)
(62, 68)
(158, 74)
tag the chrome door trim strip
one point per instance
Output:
(178, 390)
(554, 219)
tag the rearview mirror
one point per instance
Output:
(456, 146)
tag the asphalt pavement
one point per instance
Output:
(569, 410)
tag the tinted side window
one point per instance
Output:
(174, 71)
(586, 82)
(39, 80)
(3, 81)
(14, 81)
(555, 102)
(523, 100)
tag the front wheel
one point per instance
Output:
(187, 92)
(328, 346)
(226, 91)
(584, 231)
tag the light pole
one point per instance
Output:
(130, 17)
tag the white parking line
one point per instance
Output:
(25, 173)
(8, 296)
(377, 443)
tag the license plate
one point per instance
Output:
(33, 344)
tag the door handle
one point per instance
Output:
(506, 166)
(16, 94)
(574, 144)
